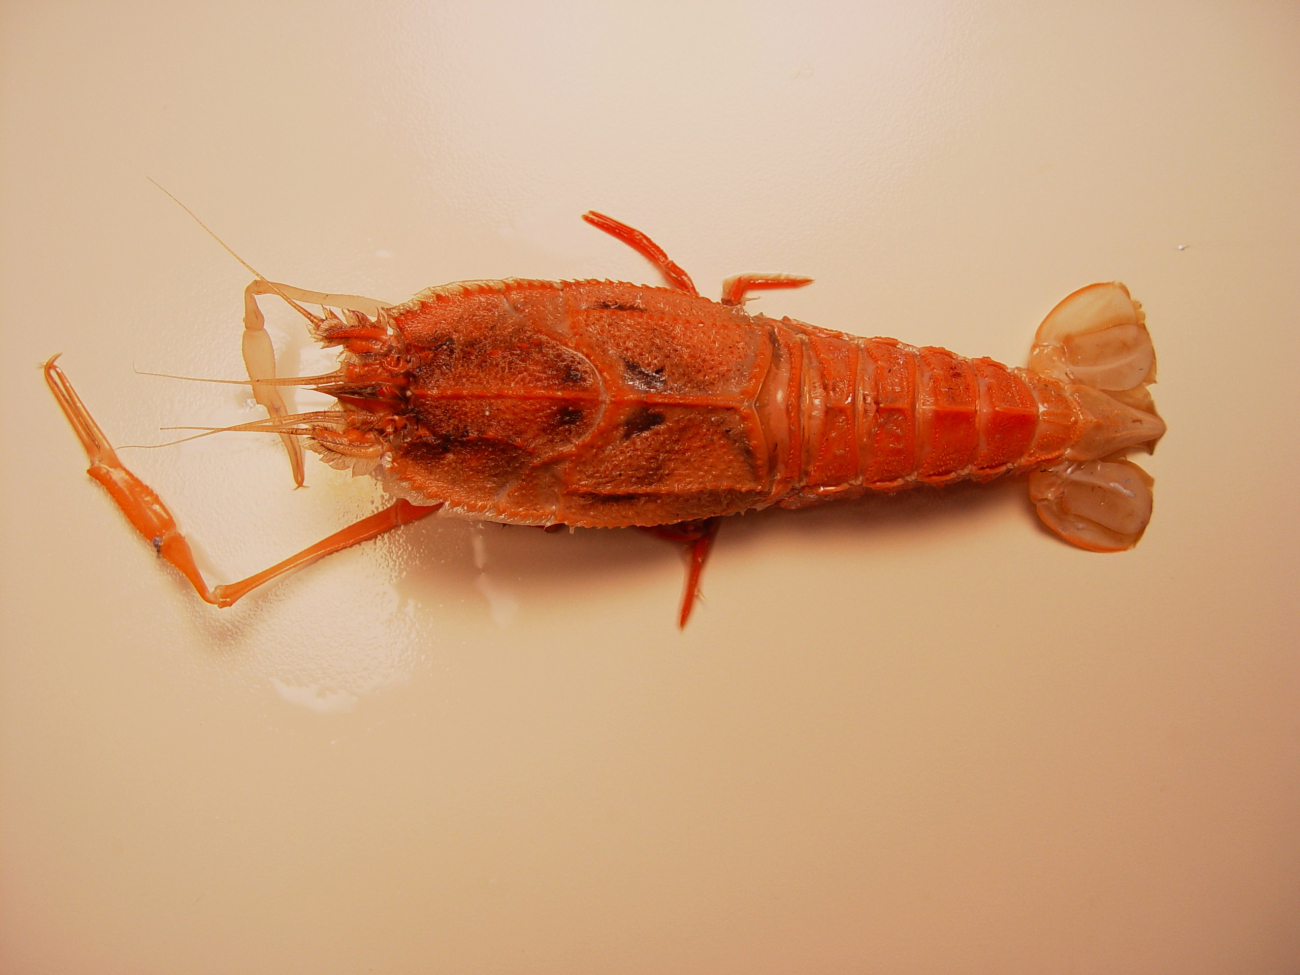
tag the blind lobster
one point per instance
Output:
(603, 404)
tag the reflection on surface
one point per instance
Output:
(316, 698)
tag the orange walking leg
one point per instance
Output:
(735, 289)
(644, 246)
(146, 511)
(699, 537)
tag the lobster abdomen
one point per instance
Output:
(878, 415)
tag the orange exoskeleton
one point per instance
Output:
(604, 404)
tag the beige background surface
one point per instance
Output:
(912, 736)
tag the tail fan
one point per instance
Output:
(1096, 342)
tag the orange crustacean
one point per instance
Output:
(603, 404)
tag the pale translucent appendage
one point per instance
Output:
(1096, 337)
(1096, 342)
(259, 355)
(1101, 505)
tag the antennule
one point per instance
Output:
(293, 423)
(323, 378)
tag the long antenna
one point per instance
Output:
(314, 319)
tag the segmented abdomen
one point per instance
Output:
(878, 415)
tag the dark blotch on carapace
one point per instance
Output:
(568, 416)
(640, 420)
(642, 378)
